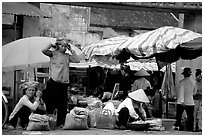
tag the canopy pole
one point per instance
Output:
(167, 98)
(14, 89)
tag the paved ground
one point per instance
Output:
(94, 131)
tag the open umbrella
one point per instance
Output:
(27, 52)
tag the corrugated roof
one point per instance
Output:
(131, 19)
(22, 8)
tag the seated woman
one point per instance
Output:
(131, 108)
(30, 102)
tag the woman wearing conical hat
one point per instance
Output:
(141, 82)
(131, 108)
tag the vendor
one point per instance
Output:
(141, 82)
(30, 102)
(131, 108)
(125, 83)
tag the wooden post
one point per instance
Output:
(15, 17)
(88, 81)
(14, 90)
(181, 21)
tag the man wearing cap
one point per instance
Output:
(126, 109)
(55, 94)
(187, 88)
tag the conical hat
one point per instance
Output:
(142, 72)
(139, 95)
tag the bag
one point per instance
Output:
(105, 119)
(94, 103)
(110, 107)
(53, 119)
(92, 117)
(76, 119)
(38, 122)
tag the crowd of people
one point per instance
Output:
(137, 96)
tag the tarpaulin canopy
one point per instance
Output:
(167, 44)
(151, 66)
(104, 47)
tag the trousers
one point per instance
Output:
(190, 116)
(55, 97)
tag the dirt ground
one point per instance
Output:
(94, 131)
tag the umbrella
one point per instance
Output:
(167, 44)
(26, 52)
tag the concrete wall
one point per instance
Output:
(31, 26)
(192, 22)
(67, 21)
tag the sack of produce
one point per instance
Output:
(38, 122)
(76, 119)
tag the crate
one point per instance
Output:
(168, 123)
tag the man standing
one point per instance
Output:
(55, 94)
(198, 102)
(187, 88)
(125, 83)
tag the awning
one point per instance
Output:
(22, 8)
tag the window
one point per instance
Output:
(79, 18)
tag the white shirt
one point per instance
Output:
(24, 101)
(129, 104)
(187, 88)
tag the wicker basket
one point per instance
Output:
(138, 127)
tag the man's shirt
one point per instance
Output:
(187, 88)
(59, 66)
